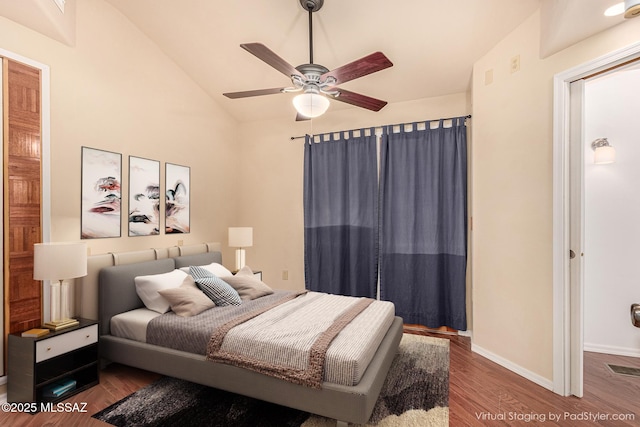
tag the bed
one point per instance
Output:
(342, 402)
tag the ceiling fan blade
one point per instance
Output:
(248, 93)
(267, 55)
(369, 64)
(359, 100)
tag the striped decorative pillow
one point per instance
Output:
(214, 287)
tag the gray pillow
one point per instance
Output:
(215, 288)
(247, 284)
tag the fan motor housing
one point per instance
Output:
(312, 71)
(312, 5)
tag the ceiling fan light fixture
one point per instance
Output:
(311, 104)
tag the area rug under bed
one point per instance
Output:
(415, 393)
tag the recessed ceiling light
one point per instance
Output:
(615, 10)
(632, 8)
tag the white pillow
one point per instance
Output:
(147, 288)
(217, 269)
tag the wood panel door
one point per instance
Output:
(22, 194)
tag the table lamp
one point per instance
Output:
(240, 237)
(57, 262)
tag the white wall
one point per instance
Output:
(612, 214)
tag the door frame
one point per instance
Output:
(45, 139)
(567, 305)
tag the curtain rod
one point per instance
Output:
(380, 127)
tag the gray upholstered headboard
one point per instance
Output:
(117, 290)
(86, 288)
(198, 259)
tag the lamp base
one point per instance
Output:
(240, 257)
(56, 325)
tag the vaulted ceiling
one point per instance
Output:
(432, 43)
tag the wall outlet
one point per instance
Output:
(515, 64)
(180, 242)
(285, 274)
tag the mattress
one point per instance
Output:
(132, 324)
(346, 359)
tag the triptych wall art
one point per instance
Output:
(101, 193)
(144, 197)
(102, 196)
(177, 198)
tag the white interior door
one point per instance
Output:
(576, 235)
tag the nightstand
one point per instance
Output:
(35, 364)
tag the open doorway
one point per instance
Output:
(612, 210)
(611, 228)
(569, 156)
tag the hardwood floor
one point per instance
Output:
(480, 392)
(116, 382)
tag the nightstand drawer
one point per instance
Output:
(55, 346)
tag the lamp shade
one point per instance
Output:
(240, 237)
(604, 155)
(311, 104)
(59, 261)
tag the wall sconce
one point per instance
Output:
(240, 237)
(604, 152)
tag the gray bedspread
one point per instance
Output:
(192, 334)
(289, 341)
(306, 338)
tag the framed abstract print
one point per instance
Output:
(101, 194)
(144, 197)
(177, 188)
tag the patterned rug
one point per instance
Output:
(415, 393)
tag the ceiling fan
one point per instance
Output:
(315, 81)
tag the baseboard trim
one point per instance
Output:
(531, 376)
(609, 349)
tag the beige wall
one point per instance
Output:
(272, 174)
(512, 194)
(115, 90)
